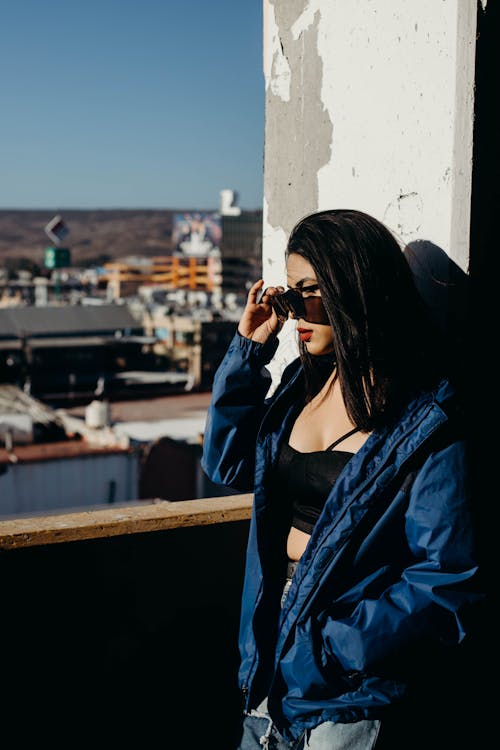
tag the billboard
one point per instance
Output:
(197, 235)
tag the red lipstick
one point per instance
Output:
(304, 333)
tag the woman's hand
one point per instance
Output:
(259, 321)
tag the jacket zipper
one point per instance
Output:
(244, 696)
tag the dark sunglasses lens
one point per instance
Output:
(280, 306)
(310, 309)
(288, 303)
(294, 302)
(315, 311)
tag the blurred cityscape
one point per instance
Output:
(108, 347)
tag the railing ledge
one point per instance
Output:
(127, 518)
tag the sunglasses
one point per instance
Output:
(292, 302)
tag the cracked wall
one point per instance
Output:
(369, 105)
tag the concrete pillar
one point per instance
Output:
(369, 105)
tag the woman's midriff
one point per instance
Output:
(296, 543)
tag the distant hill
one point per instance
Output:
(94, 235)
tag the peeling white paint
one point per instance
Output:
(290, 178)
(274, 273)
(274, 241)
(277, 73)
(280, 81)
(306, 18)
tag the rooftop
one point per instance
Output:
(181, 417)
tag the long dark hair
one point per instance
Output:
(385, 346)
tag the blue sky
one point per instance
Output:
(130, 103)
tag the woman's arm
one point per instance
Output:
(236, 412)
(238, 394)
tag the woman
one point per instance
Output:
(360, 555)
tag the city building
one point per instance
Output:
(190, 343)
(50, 461)
(241, 252)
(79, 351)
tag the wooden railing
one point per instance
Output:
(129, 518)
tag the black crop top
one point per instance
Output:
(306, 479)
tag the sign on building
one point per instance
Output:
(197, 234)
(57, 257)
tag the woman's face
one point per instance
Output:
(318, 338)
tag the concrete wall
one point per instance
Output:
(369, 105)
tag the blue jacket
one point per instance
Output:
(387, 573)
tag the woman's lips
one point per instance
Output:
(304, 333)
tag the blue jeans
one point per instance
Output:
(259, 733)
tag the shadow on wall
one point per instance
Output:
(445, 290)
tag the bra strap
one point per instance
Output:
(339, 440)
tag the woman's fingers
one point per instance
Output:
(270, 291)
(254, 290)
(259, 320)
(279, 290)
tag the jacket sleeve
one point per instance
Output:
(235, 413)
(430, 601)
